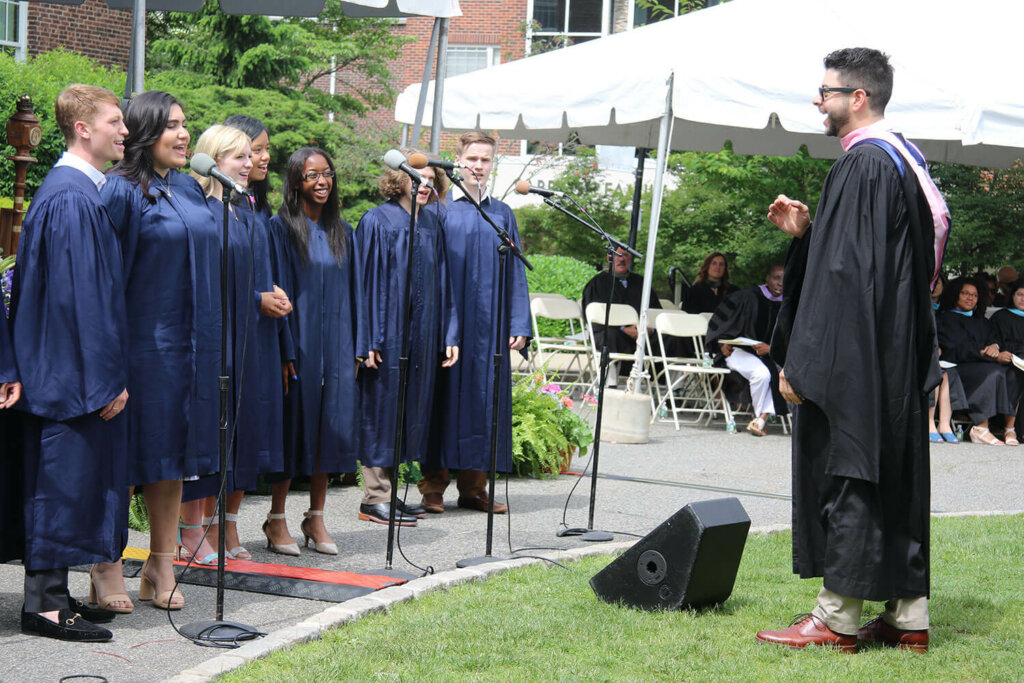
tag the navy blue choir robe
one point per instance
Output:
(12, 528)
(171, 249)
(69, 335)
(325, 336)
(254, 364)
(382, 245)
(461, 428)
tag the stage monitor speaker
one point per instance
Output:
(690, 560)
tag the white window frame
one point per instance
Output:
(606, 25)
(493, 53)
(20, 44)
(632, 13)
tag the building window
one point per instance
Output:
(573, 21)
(651, 11)
(13, 16)
(465, 58)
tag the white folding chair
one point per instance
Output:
(668, 304)
(619, 315)
(564, 355)
(691, 387)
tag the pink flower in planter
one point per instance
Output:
(592, 400)
(567, 402)
(551, 389)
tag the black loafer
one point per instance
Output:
(379, 513)
(411, 511)
(93, 613)
(70, 626)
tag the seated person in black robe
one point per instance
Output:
(752, 313)
(1007, 328)
(965, 339)
(1007, 278)
(628, 289)
(711, 286)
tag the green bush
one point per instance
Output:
(43, 78)
(558, 275)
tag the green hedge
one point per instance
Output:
(558, 275)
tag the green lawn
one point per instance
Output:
(545, 624)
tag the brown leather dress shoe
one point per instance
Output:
(480, 503)
(807, 629)
(433, 503)
(880, 631)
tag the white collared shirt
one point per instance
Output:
(77, 162)
(459, 194)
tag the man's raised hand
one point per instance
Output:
(791, 216)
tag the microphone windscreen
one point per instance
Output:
(523, 187)
(202, 164)
(394, 159)
(418, 160)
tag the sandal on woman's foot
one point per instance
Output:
(982, 435)
(239, 552)
(949, 437)
(185, 553)
(115, 602)
(1010, 437)
(168, 599)
(756, 427)
(935, 437)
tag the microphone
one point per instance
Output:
(524, 187)
(418, 160)
(204, 165)
(395, 160)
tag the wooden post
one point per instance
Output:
(23, 134)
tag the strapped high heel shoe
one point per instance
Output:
(184, 552)
(107, 601)
(169, 599)
(286, 549)
(239, 552)
(325, 548)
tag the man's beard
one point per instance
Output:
(835, 122)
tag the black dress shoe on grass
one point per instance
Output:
(411, 511)
(93, 613)
(379, 512)
(70, 626)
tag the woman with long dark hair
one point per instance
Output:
(711, 285)
(965, 339)
(1008, 333)
(325, 342)
(169, 241)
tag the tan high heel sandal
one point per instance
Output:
(147, 589)
(107, 601)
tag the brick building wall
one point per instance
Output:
(91, 29)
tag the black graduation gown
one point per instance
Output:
(861, 350)
(69, 328)
(1008, 332)
(460, 435)
(748, 313)
(700, 298)
(12, 528)
(631, 295)
(382, 241)
(992, 388)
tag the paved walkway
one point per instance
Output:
(644, 485)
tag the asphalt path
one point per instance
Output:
(639, 487)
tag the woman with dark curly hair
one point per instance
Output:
(965, 339)
(382, 244)
(711, 286)
(325, 343)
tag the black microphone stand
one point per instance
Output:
(220, 630)
(505, 247)
(612, 245)
(403, 375)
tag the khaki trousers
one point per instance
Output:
(470, 483)
(842, 614)
(376, 485)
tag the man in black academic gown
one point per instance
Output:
(68, 324)
(856, 341)
(626, 288)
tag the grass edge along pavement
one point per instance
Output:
(544, 623)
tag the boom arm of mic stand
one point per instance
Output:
(502, 234)
(593, 226)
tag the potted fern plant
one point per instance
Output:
(546, 432)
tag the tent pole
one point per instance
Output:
(421, 104)
(442, 64)
(664, 145)
(138, 47)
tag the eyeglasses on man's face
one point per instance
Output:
(315, 175)
(826, 90)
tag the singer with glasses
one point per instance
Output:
(461, 428)
(382, 243)
(170, 243)
(252, 413)
(325, 341)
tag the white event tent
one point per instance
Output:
(746, 71)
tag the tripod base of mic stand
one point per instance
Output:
(219, 631)
(473, 561)
(591, 535)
